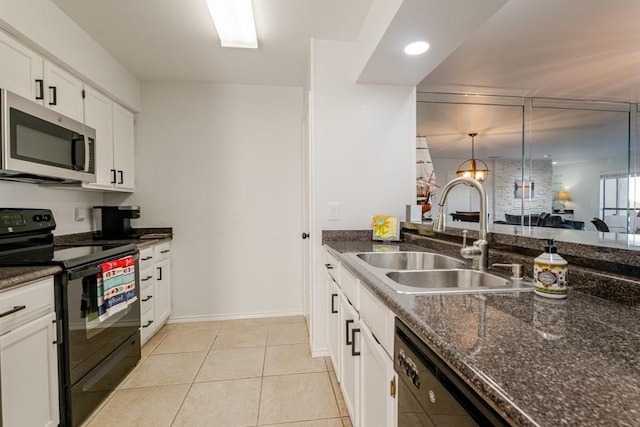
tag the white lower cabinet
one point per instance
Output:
(349, 376)
(360, 341)
(378, 383)
(333, 293)
(155, 288)
(28, 356)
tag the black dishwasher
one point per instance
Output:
(429, 392)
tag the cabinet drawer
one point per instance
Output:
(161, 251)
(146, 277)
(146, 299)
(350, 286)
(378, 318)
(146, 257)
(148, 326)
(21, 305)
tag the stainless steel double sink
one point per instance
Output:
(428, 272)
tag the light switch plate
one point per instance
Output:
(81, 214)
(333, 211)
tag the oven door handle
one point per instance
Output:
(91, 271)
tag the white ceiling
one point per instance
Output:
(583, 49)
(176, 40)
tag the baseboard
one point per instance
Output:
(209, 318)
(320, 352)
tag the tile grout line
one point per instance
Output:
(264, 363)
(194, 378)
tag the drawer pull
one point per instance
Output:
(333, 304)
(15, 309)
(147, 298)
(165, 251)
(354, 331)
(147, 258)
(146, 278)
(148, 324)
(346, 335)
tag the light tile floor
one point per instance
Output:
(248, 372)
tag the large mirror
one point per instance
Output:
(553, 163)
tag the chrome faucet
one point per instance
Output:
(479, 251)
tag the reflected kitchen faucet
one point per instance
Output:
(479, 251)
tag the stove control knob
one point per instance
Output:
(37, 218)
(46, 217)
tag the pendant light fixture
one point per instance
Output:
(473, 168)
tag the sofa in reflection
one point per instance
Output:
(542, 219)
(466, 216)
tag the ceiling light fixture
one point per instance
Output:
(473, 168)
(234, 22)
(416, 48)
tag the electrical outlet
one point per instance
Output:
(333, 211)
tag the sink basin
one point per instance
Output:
(452, 281)
(410, 260)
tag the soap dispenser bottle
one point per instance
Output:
(550, 273)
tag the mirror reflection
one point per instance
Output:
(552, 163)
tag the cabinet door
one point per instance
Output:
(98, 114)
(378, 404)
(333, 325)
(29, 374)
(123, 148)
(63, 92)
(20, 69)
(162, 292)
(350, 359)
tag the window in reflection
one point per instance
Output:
(585, 150)
(571, 147)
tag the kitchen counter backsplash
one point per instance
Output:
(599, 279)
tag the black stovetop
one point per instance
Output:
(66, 256)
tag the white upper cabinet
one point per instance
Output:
(115, 151)
(21, 69)
(123, 148)
(27, 74)
(98, 114)
(62, 91)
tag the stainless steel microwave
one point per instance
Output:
(41, 145)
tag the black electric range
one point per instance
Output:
(97, 346)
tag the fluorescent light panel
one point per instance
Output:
(234, 22)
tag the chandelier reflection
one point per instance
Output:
(473, 168)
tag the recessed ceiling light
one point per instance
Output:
(416, 48)
(234, 22)
(554, 163)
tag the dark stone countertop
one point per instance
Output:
(536, 361)
(11, 277)
(16, 276)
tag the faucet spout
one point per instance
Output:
(479, 252)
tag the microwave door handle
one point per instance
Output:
(87, 153)
(74, 157)
(74, 160)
